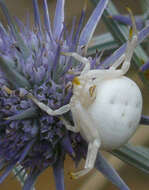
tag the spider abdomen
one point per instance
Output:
(116, 111)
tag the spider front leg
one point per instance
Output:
(42, 106)
(118, 62)
(93, 148)
(81, 59)
(47, 109)
(125, 59)
(131, 45)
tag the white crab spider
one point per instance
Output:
(106, 106)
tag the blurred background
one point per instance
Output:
(135, 179)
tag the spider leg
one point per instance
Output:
(131, 44)
(47, 109)
(81, 59)
(100, 75)
(42, 106)
(68, 126)
(124, 59)
(118, 62)
(93, 148)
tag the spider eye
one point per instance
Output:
(92, 90)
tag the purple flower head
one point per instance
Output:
(32, 62)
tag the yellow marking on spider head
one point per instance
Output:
(76, 81)
(92, 90)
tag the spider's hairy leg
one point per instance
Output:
(93, 148)
(118, 62)
(81, 59)
(42, 106)
(131, 43)
(47, 109)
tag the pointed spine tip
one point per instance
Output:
(85, 5)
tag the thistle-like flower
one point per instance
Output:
(32, 64)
